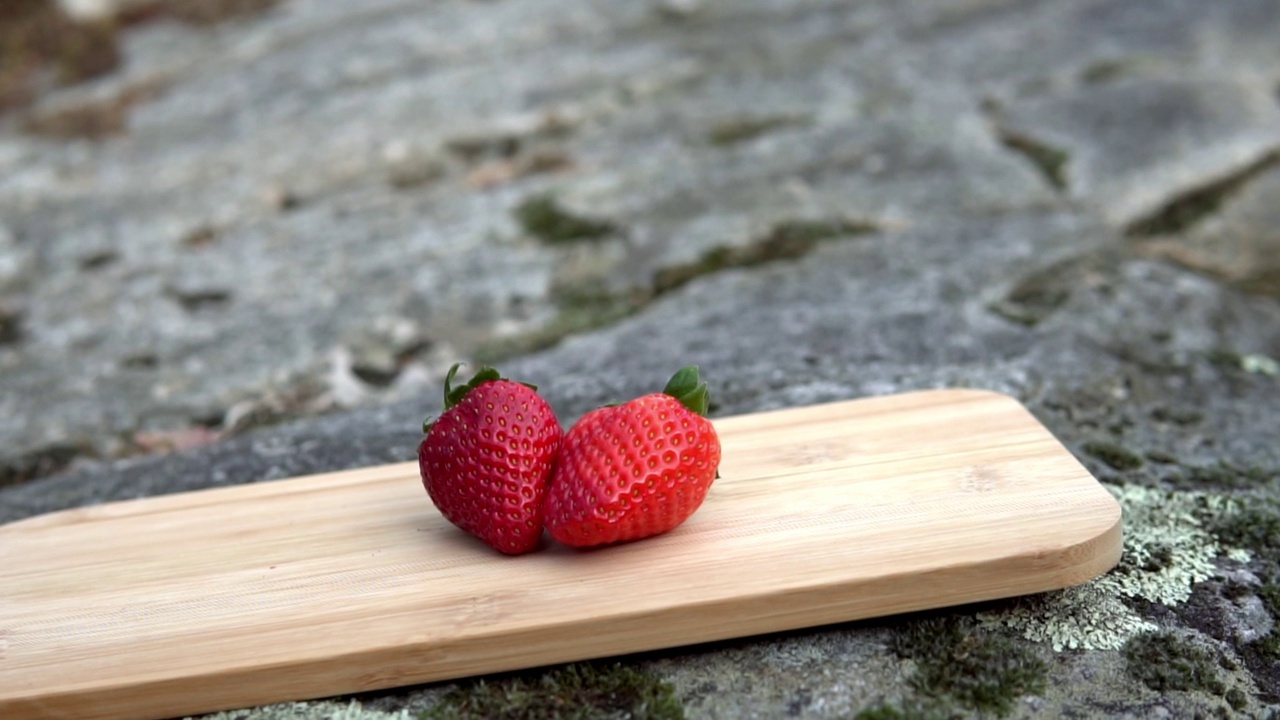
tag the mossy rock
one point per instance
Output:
(581, 691)
(544, 218)
(1163, 661)
(1115, 456)
(959, 662)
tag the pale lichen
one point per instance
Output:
(1090, 616)
(1167, 548)
(1259, 364)
(325, 710)
(1166, 551)
(1240, 555)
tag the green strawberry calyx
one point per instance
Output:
(689, 389)
(454, 395)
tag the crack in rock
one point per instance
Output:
(1189, 208)
(1148, 155)
(11, 331)
(39, 463)
(1049, 160)
(591, 303)
(787, 240)
(200, 299)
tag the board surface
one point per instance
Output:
(351, 581)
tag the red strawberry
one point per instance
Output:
(486, 461)
(634, 470)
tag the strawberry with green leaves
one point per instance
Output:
(487, 459)
(634, 470)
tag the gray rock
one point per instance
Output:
(241, 240)
(1250, 621)
(1240, 244)
(1135, 146)
(325, 206)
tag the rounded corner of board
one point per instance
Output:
(1096, 551)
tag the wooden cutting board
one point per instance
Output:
(351, 581)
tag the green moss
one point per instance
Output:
(1176, 416)
(881, 712)
(590, 305)
(1049, 160)
(1113, 455)
(1254, 526)
(1039, 294)
(1234, 362)
(1224, 359)
(1161, 457)
(1164, 661)
(739, 130)
(543, 218)
(39, 463)
(960, 662)
(580, 691)
(1030, 309)
(1112, 69)
(580, 308)
(1103, 71)
(1269, 646)
(1236, 698)
(1270, 596)
(1222, 476)
(802, 235)
(1186, 211)
(787, 240)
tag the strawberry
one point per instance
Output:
(487, 459)
(634, 470)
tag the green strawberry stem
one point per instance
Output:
(454, 395)
(689, 389)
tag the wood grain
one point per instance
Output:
(351, 581)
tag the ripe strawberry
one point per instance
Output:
(634, 470)
(487, 459)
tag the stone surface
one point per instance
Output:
(312, 212)
(1240, 244)
(1134, 145)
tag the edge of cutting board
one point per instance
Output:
(1087, 548)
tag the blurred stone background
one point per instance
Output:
(242, 240)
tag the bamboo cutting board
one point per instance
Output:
(351, 581)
